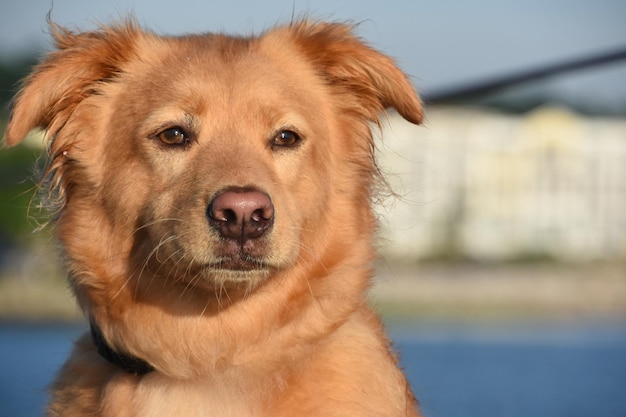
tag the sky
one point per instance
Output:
(439, 43)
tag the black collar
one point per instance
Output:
(129, 363)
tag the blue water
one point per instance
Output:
(520, 370)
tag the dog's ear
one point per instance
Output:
(66, 76)
(360, 71)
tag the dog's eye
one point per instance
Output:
(286, 138)
(173, 136)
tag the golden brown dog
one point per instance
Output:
(215, 214)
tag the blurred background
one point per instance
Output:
(503, 269)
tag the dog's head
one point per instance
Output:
(210, 159)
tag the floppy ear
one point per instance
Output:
(66, 77)
(362, 72)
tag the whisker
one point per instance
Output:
(138, 274)
(191, 283)
(164, 240)
(157, 221)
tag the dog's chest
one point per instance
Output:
(158, 396)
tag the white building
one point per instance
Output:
(490, 186)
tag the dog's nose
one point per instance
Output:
(241, 213)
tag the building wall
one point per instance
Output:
(489, 186)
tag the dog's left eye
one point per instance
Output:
(174, 136)
(286, 138)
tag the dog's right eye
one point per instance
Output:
(174, 136)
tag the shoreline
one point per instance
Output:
(459, 292)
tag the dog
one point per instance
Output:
(213, 200)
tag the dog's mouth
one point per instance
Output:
(238, 265)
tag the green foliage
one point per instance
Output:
(17, 185)
(17, 188)
(11, 73)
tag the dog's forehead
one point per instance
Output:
(216, 70)
(224, 60)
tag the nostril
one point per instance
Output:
(225, 215)
(263, 214)
(257, 216)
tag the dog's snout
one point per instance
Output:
(241, 213)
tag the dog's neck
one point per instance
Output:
(127, 362)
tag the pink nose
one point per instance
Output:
(241, 214)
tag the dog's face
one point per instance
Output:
(219, 151)
(210, 160)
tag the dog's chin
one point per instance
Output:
(236, 273)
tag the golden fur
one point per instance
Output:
(278, 328)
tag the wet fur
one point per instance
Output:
(294, 337)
